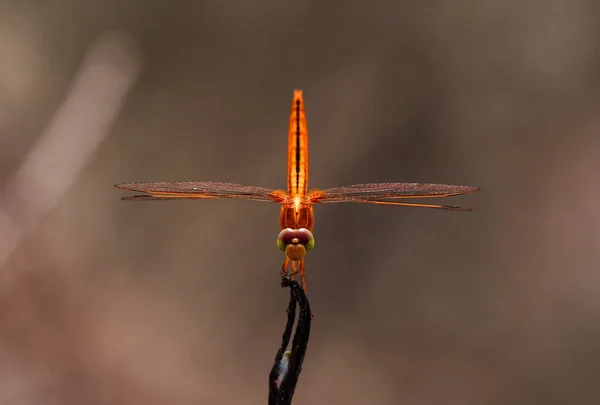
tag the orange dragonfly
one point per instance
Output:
(296, 218)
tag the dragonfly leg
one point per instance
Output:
(294, 272)
(284, 267)
(299, 270)
(303, 275)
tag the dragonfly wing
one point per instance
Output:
(390, 193)
(171, 190)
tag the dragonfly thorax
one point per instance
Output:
(296, 217)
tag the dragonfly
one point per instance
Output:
(296, 217)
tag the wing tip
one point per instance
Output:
(450, 207)
(122, 186)
(137, 197)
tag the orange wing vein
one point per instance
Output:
(170, 190)
(387, 193)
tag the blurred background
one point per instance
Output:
(111, 302)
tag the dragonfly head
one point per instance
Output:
(295, 242)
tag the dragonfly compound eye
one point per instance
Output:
(306, 238)
(285, 238)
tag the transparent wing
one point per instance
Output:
(389, 193)
(171, 190)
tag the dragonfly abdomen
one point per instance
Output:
(298, 148)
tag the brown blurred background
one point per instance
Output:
(109, 302)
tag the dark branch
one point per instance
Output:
(281, 394)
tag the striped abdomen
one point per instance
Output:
(297, 148)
